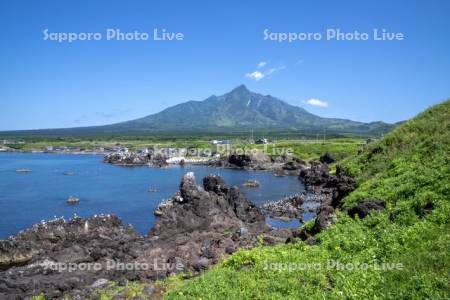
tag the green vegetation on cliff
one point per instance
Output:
(400, 253)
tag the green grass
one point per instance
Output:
(127, 292)
(409, 169)
(306, 149)
(339, 149)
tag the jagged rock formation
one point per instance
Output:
(279, 165)
(197, 226)
(45, 257)
(135, 159)
(287, 208)
(214, 207)
(331, 188)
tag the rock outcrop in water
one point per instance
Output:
(200, 224)
(197, 226)
(279, 165)
(287, 208)
(135, 159)
(252, 183)
(213, 208)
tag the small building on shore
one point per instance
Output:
(220, 142)
(262, 142)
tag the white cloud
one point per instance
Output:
(261, 64)
(316, 102)
(272, 70)
(257, 75)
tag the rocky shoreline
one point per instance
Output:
(195, 228)
(280, 166)
(287, 208)
(331, 189)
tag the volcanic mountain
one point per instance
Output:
(239, 110)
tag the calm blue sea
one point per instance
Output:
(28, 198)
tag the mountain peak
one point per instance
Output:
(241, 110)
(239, 89)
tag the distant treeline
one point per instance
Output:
(85, 135)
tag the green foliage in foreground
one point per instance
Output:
(125, 292)
(401, 253)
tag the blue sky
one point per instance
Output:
(46, 84)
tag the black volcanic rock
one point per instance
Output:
(135, 159)
(254, 161)
(327, 158)
(38, 259)
(316, 175)
(287, 208)
(197, 227)
(325, 217)
(240, 161)
(331, 188)
(365, 207)
(214, 184)
(318, 178)
(213, 207)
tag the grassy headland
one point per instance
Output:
(400, 253)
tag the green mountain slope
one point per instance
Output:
(410, 170)
(237, 111)
(242, 109)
